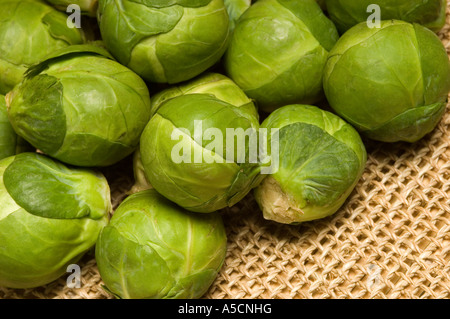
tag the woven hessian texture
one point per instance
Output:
(391, 239)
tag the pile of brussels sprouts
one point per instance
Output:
(162, 82)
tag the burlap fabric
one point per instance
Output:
(391, 239)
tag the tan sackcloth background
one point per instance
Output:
(391, 239)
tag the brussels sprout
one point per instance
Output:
(50, 216)
(10, 143)
(30, 30)
(81, 107)
(88, 7)
(278, 51)
(155, 249)
(348, 13)
(214, 84)
(391, 83)
(235, 9)
(165, 41)
(321, 159)
(196, 151)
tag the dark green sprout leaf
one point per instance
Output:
(47, 188)
(37, 114)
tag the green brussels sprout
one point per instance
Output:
(214, 84)
(29, 31)
(165, 41)
(154, 249)
(390, 83)
(348, 13)
(50, 216)
(197, 151)
(81, 107)
(235, 9)
(10, 143)
(278, 50)
(88, 7)
(321, 159)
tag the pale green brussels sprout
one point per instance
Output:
(390, 83)
(30, 30)
(235, 9)
(278, 50)
(81, 107)
(165, 41)
(197, 151)
(215, 84)
(50, 216)
(320, 160)
(10, 143)
(154, 249)
(348, 13)
(87, 7)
